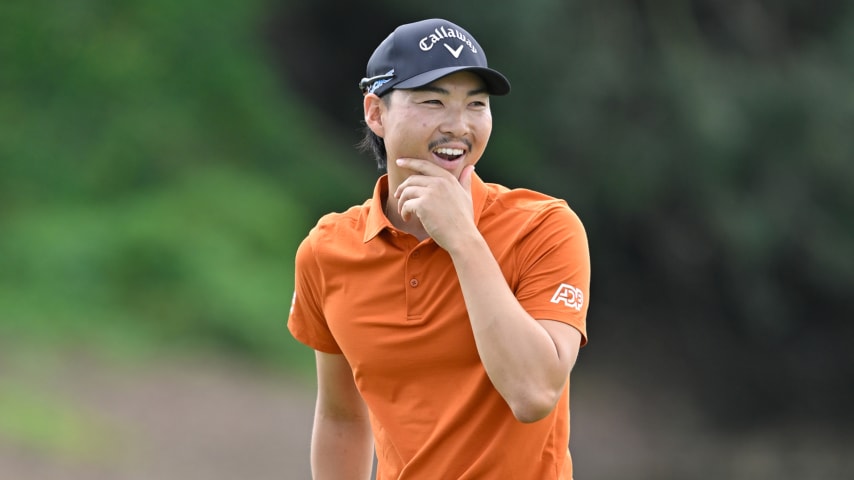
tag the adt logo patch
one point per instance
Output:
(570, 296)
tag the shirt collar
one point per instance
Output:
(377, 220)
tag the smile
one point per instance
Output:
(449, 153)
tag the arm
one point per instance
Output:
(341, 444)
(527, 360)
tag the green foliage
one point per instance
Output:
(106, 97)
(203, 261)
(148, 189)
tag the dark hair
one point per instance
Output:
(373, 143)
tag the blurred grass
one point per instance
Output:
(37, 422)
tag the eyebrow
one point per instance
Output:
(442, 91)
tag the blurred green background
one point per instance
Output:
(160, 161)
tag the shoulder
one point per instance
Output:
(530, 206)
(339, 225)
(335, 230)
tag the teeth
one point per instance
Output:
(449, 151)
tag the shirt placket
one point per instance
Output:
(414, 279)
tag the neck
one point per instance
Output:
(412, 227)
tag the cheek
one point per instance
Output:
(406, 141)
(483, 133)
(410, 124)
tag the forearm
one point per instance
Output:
(341, 448)
(518, 353)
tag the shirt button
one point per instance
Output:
(413, 283)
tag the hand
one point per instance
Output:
(441, 202)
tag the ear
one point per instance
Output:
(374, 109)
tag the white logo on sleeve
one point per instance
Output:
(570, 296)
(293, 303)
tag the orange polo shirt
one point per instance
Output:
(394, 308)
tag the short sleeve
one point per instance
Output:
(306, 321)
(554, 261)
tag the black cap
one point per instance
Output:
(418, 53)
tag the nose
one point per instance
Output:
(455, 123)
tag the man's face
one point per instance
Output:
(447, 122)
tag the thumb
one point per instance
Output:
(466, 177)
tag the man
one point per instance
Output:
(446, 313)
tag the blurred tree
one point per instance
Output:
(154, 181)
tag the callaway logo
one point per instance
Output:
(455, 53)
(570, 296)
(426, 43)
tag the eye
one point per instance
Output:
(432, 102)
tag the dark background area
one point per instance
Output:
(159, 163)
(706, 145)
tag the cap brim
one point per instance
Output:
(496, 83)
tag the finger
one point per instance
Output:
(410, 192)
(421, 166)
(466, 178)
(414, 181)
(408, 183)
(403, 211)
(408, 208)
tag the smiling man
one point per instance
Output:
(446, 312)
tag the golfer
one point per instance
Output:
(446, 312)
